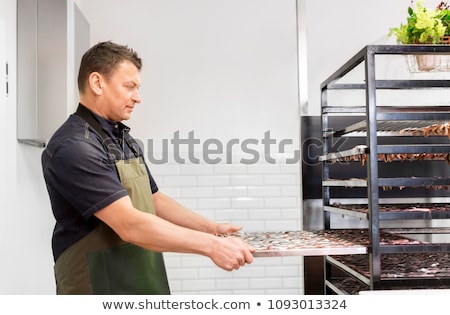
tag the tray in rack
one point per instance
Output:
(390, 154)
(423, 128)
(394, 211)
(402, 265)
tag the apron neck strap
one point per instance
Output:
(86, 114)
(108, 143)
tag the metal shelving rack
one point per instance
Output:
(377, 123)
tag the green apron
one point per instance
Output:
(101, 263)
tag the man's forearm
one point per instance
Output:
(172, 211)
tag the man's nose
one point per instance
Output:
(136, 97)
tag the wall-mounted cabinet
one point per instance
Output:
(52, 36)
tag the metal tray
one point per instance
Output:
(314, 243)
(301, 243)
(394, 128)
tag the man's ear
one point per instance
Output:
(96, 83)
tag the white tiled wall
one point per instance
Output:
(259, 197)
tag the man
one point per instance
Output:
(112, 222)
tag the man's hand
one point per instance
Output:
(231, 253)
(227, 228)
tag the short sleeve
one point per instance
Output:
(81, 172)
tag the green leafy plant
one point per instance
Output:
(424, 25)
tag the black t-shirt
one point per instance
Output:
(81, 176)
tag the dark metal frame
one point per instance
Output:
(373, 114)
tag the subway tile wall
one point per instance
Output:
(258, 197)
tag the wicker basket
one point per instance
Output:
(430, 63)
(445, 40)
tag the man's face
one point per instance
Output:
(121, 92)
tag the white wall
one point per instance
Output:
(225, 69)
(26, 264)
(219, 67)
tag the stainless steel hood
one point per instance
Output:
(52, 35)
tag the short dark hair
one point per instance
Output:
(104, 58)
